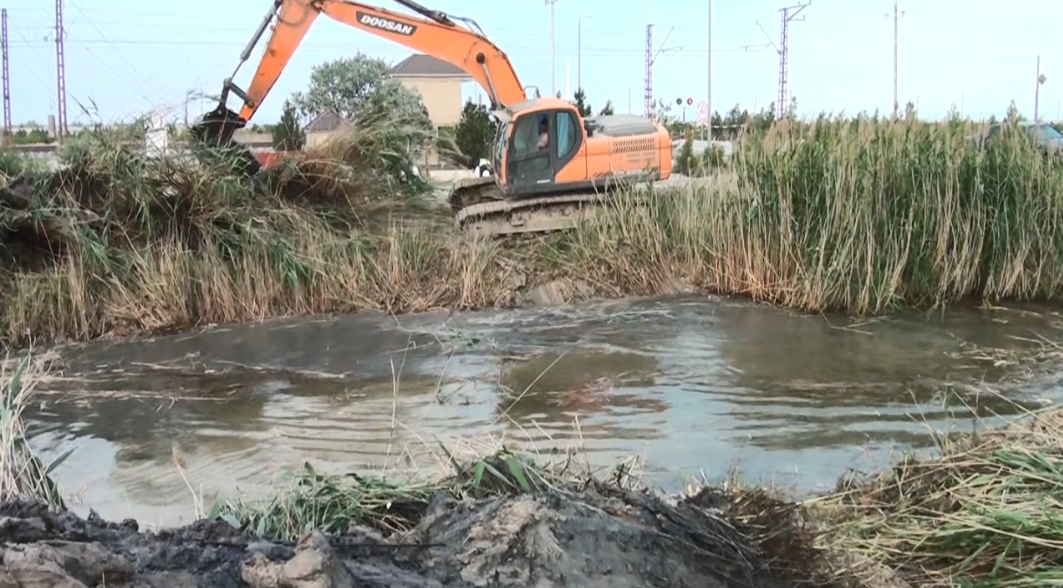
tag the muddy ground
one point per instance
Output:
(600, 536)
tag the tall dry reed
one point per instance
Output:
(853, 215)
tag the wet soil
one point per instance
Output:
(598, 536)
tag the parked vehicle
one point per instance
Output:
(1047, 136)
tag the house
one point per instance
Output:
(324, 127)
(439, 84)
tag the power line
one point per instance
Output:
(317, 46)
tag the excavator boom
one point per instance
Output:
(430, 31)
(550, 165)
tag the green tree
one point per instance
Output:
(685, 162)
(357, 87)
(607, 110)
(474, 133)
(288, 135)
(1013, 115)
(581, 103)
(910, 112)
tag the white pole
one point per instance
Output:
(568, 78)
(1037, 92)
(553, 49)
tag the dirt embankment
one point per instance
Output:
(598, 537)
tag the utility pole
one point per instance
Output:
(784, 56)
(553, 48)
(709, 98)
(579, 53)
(648, 93)
(7, 80)
(60, 63)
(789, 13)
(651, 58)
(897, 14)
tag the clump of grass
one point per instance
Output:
(332, 504)
(22, 474)
(985, 514)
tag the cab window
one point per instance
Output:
(566, 134)
(526, 135)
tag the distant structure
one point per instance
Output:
(784, 54)
(438, 82)
(325, 127)
(60, 66)
(7, 78)
(789, 13)
(651, 58)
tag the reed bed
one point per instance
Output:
(855, 215)
(121, 243)
(859, 216)
(985, 514)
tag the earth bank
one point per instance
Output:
(599, 536)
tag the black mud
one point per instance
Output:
(597, 537)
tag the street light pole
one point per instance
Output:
(553, 47)
(579, 53)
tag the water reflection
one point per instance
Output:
(691, 384)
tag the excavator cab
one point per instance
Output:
(539, 148)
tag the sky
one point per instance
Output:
(125, 57)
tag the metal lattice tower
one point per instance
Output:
(788, 14)
(649, 72)
(7, 78)
(60, 67)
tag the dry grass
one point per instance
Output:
(22, 474)
(860, 216)
(987, 513)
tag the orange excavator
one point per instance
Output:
(550, 164)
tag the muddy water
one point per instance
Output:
(691, 386)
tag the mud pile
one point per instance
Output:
(597, 537)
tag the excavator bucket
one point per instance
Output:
(216, 129)
(218, 126)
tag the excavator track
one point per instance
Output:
(474, 191)
(532, 215)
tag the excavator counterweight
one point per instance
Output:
(549, 163)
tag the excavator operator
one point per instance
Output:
(544, 132)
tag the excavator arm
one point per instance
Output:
(433, 32)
